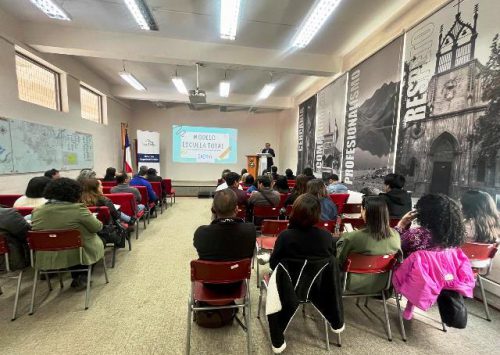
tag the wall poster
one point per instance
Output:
(306, 134)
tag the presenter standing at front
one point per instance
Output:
(269, 150)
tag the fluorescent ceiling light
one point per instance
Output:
(51, 9)
(313, 22)
(266, 91)
(229, 11)
(224, 88)
(179, 85)
(142, 14)
(129, 78)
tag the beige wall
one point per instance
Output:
(254, 130)
(106, 137)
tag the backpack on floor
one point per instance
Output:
(214, 318)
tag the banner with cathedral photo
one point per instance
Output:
(330, 115)
(306, 145)
(371, 118)
(449, 137)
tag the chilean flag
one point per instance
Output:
(128, 157)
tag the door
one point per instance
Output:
(441, 177)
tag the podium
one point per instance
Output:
(263, 161)
(253, 165)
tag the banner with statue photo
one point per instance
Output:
(371, 118)
(148, 149)
(306, 134)
(449, 137)
(329, 143)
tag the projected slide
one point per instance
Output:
(204, 145)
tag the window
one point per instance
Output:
(91, 103)
(37, 83)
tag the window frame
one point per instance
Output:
(57, 75)
(100, 102)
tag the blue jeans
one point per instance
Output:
(140, 207)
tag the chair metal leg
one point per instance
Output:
(47, 276)
(483, 296)
(388, 325)
(357, 301)
(327, 340)
(444, 327)
(257, 276)
(400, 316)
(248, 325)
(366, 301)
(16, 299)
(104, 267)
(189, 321)
(35, 280)
(61, 281)
(87, 291)
(260, 302)
(144, 217)
(114, 257)
(136, 232)
(129, 240)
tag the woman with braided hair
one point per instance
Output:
(440, 223)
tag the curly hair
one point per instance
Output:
(443, 218)
(63, 189)
(479, 208)
(91, 194)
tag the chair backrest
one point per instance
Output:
(479, 251)
(339, 200)
(273, 227)
(369, 264)
(357, 223)
(156, 185)
(393, 222)
(167, 183)
(220, 272)
(144, 195)
(8, 200)
(109, 183)
(54, 240)
(288, 210)
(242, 212)
(103, 213)
(25, 211)
(4, 247)
(106, 189)
(283, 198)
(352, 208)
(328, 225)
(127, 202)
(266, 212)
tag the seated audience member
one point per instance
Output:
(370, 191)
(232, 181)
(289, 174)
(92, 196)
(437, 262)
(274, 172)
(439, 219)
(228, 237)
(376, 238)
(317, 188)
(14, 228)
(123, 186)
(264, 196)
(281, 185)
(110, 174)
(221, 184)
(86, 174)
(398, 200)
(64, 211)
(52, 174)
(309, 173)
(482, 220)
(250, 182)
(334, 186)
(243, 172)
(299, 189)
(152, 175)
(33, 197)
(140, 180)
(301, 242)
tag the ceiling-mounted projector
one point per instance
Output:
(197, 96)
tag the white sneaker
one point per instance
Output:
(280, 349)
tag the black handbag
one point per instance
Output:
(452, 309)
(113, 233)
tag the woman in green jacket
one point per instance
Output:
(63, 211)
(376, 238)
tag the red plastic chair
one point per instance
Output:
(109, 183)
(393, 222)
(329, 225)
(170, 192)
(106, 189)
(270, 230)
(357, 223)
(217, 272)
(145, 201)
(265, 212)
(56, 241)
(288, 211)
(340, 200)
(104, 216)
(25, 211)
(242, 212)
(9, 274)
(481, 258)
(8, 200)
(283, 198)
(352, 208)
(369, 265)
(156, 185)
(128, 205)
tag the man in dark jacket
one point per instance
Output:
(269, 150)
(227, 238)
(233, 183)
(398, 200)
(14, 227)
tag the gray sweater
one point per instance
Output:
(124, 188)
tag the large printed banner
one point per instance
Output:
(448, 139)
(330, 113)
(306, 138)
(148, 149)
(371, 118)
